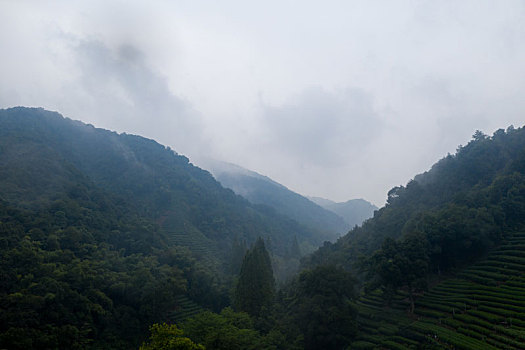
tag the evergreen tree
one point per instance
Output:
(237, 255)
(323, 307)
(295, 250)
(256, 285)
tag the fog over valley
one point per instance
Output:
(341, 100)
(274, 175)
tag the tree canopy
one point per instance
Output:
(256, 286)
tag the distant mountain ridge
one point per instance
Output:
(260, 189)
(353, 211)
(43, 154)
(441, 264)
(463, 206)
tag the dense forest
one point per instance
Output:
(114, 241)
(461, 207)
(103, 234)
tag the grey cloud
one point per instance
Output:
(323, 127)
(427, 75)
(126, 94)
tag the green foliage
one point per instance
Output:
(255, 288)
(93, 223)
(238, 252)
(230, 330)
(400, 264)
(45, 155)
(80, 291)
(321, 305)
(222, 331)
(463, 206)
(168, 337)
(465, 313)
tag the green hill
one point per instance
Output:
(441, 265)
(44, 153)
(105, 233)
(260, 189)
(463, 206)
(483, 307)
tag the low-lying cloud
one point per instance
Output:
(324, 128)
(121, 91)
(336, 99)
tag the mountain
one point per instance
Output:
(441, 264)
(105, 233)
(260, 189)
(354, 211)
(51, 152)
(464, 205)
(478, 308)
(323, 202)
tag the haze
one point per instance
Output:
(337, 99)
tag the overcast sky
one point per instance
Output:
(338, 99)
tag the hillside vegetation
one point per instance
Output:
(260, 189)
(460, 209)
(483, 307)
(442, 225)
(440, 266)
(105, 233)
(44, 154)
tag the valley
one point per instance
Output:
(115, 241)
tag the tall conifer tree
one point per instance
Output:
(256, 285)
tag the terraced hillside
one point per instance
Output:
(483, 307)
(180, 233)
(184, 309)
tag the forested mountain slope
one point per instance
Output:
(442, 263)
(44, 153)
(440, 266)
(482, 307)
(82, 271)
(103, 234)
(260, 189)
(461, 207)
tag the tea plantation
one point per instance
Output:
(482, 307)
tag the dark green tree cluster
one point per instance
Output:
(44, 154)
(225, 331)
(255, 288)
(400, 264)
(237, 254)
(323, 307)
(315, 311)
(169, 337)
(458, 211)
(83, 273)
